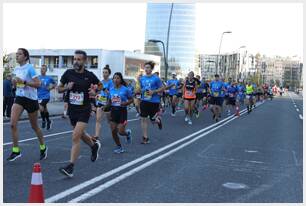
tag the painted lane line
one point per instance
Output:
(295, 106)
(301, 117)
(122, 167)
(297, 110)
(87, 183)
(141, 167)
(51, 135)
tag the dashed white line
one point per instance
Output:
(301, 117)
(297, 110)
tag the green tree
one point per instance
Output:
(6, 66)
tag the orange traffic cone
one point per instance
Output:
(36, 191)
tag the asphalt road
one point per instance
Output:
(253, 158)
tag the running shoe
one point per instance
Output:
(68, 170)
(172, 114)
(95, 150)
(129, 136)
(237, 114)
(43, 124)
(189, 122)
(137, 115)
(159, 122)
(228, 113)
(186, 119)
(95, 139)
(44, 153)
(145, 140)
(14, 156)
(119, 150)
(49, 125)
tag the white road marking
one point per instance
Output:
(87, 183)
(251, 151)
(295, 106)
(141, 167)
(51, 135)
(301, 117)
(294, 157)
(297, 110)
(129, 164)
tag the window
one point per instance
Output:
(35, 61)
(93, 60)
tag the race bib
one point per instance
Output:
(116, 101)
(216, 94)
(138, 96)
(147, 96)
(189, 93)
(20, 85)
(76, 98)
(102, 99)
(231, 95)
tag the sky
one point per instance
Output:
(267, 28)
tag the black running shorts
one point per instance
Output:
(118, 115)
(148, 109)
(28, 104)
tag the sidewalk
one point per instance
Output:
(55, 109)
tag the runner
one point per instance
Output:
(249, 96)
(216, 88)
(241, 94)
(189, 91)
(119, 98)
(173, 85)
(232, 92)
(26, 81)
(137, 97)
(101, 101)
(80, 84)
(226, 94)
(150, 86)
(47, 84)
(205, 86)
(199, 96)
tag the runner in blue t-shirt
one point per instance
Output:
(119, 97)
(101, 101)
(150, 86)
(217, 92)
(232, 92)
(43, 94)
(173, 85)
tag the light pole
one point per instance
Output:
(239, 68)
(165, 58)
(225, 32)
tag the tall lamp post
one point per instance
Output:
(165, 57)
(225, 32)
(237, 71)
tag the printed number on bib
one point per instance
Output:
(76, 98)
(102, 99)
(147, 96)
(116, 101)
(189, 93)
(216, 94)
(20, 85)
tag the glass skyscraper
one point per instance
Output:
(182, 56)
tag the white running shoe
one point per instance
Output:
(189, 122)
(186, 119)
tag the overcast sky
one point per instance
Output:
(268, 28)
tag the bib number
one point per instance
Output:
(116, 101)
(147, 96)
(76, 98)
(102, 100)
(216, 94)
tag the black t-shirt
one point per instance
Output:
(78, 96)
(190, 85)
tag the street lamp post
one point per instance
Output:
(165, 57)
(225, 32)
(239, 65)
